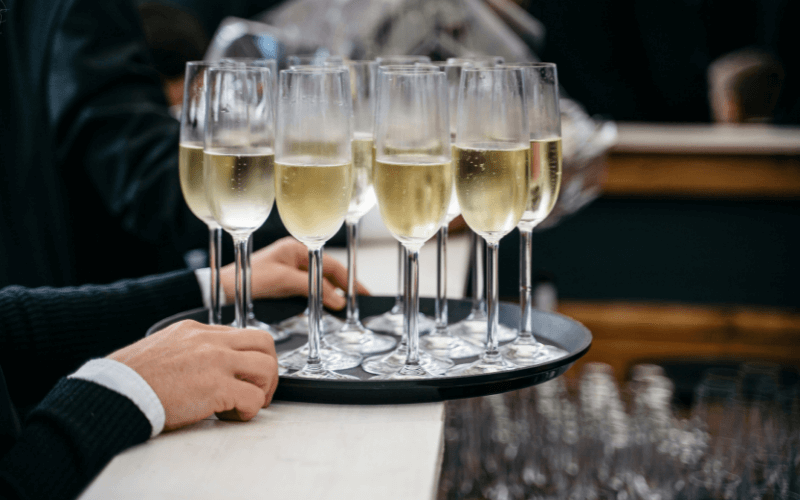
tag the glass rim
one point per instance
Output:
(239, 69)
(421, 68)
(496, 69)
(530, 64)
(311, 70)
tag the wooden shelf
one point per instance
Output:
(626, 333)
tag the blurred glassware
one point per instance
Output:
(726, 487)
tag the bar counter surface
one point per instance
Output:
(288, 451)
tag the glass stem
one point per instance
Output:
(352, 304)
(478, 304)
(240, 250)
(525, 284)
(401, 258)
(314, 308)
(441, 281)
(493, 305)
(412, 308)
(215, 264)
(248, 292)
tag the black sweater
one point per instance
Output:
(47, 333)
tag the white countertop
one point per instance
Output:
(288, 451)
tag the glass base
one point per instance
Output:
(277, 335)
(527, 352)
(387, 364)
(473, 329)
(353, 337)
(486, 364)
(445, 345)
(332, 358)
(319, 372)
(392, 322)
(299, 324)
(407, 372)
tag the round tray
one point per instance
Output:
(549, 328)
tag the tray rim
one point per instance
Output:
(427, 390)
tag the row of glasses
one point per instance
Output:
(408, 144)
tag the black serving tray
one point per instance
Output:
(549, 328)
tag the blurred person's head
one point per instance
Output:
(174, 37)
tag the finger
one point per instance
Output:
(254, 367)
(330, 298)
(247, 400)
(361, 289)
(250, 340)
(273, 386)
(333, 270)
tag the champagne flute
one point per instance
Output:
(299, 323)
(413, 180)
(313, 185)
(491, 158)
(277, 334)
(392, 321)
(473, 327)
(238, 160)
(354, 336)
(541, 90)
(190, 165)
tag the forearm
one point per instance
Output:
(68, 439)
(49, 332)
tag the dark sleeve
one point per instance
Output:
(46, 333)
(67, 440)
(110, 119)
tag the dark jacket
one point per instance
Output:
(88, 152)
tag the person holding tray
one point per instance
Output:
(170, 379)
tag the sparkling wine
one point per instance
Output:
(545, 181)
(312, 197)
(413, 194)
(240, 188)
(492, 186)
(190, 165)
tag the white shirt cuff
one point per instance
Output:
(124, 380)
(204, 280)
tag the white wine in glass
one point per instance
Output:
(413, 180)
(238, 160)
(313, 185)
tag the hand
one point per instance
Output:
(197, 370)
(281, 270)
